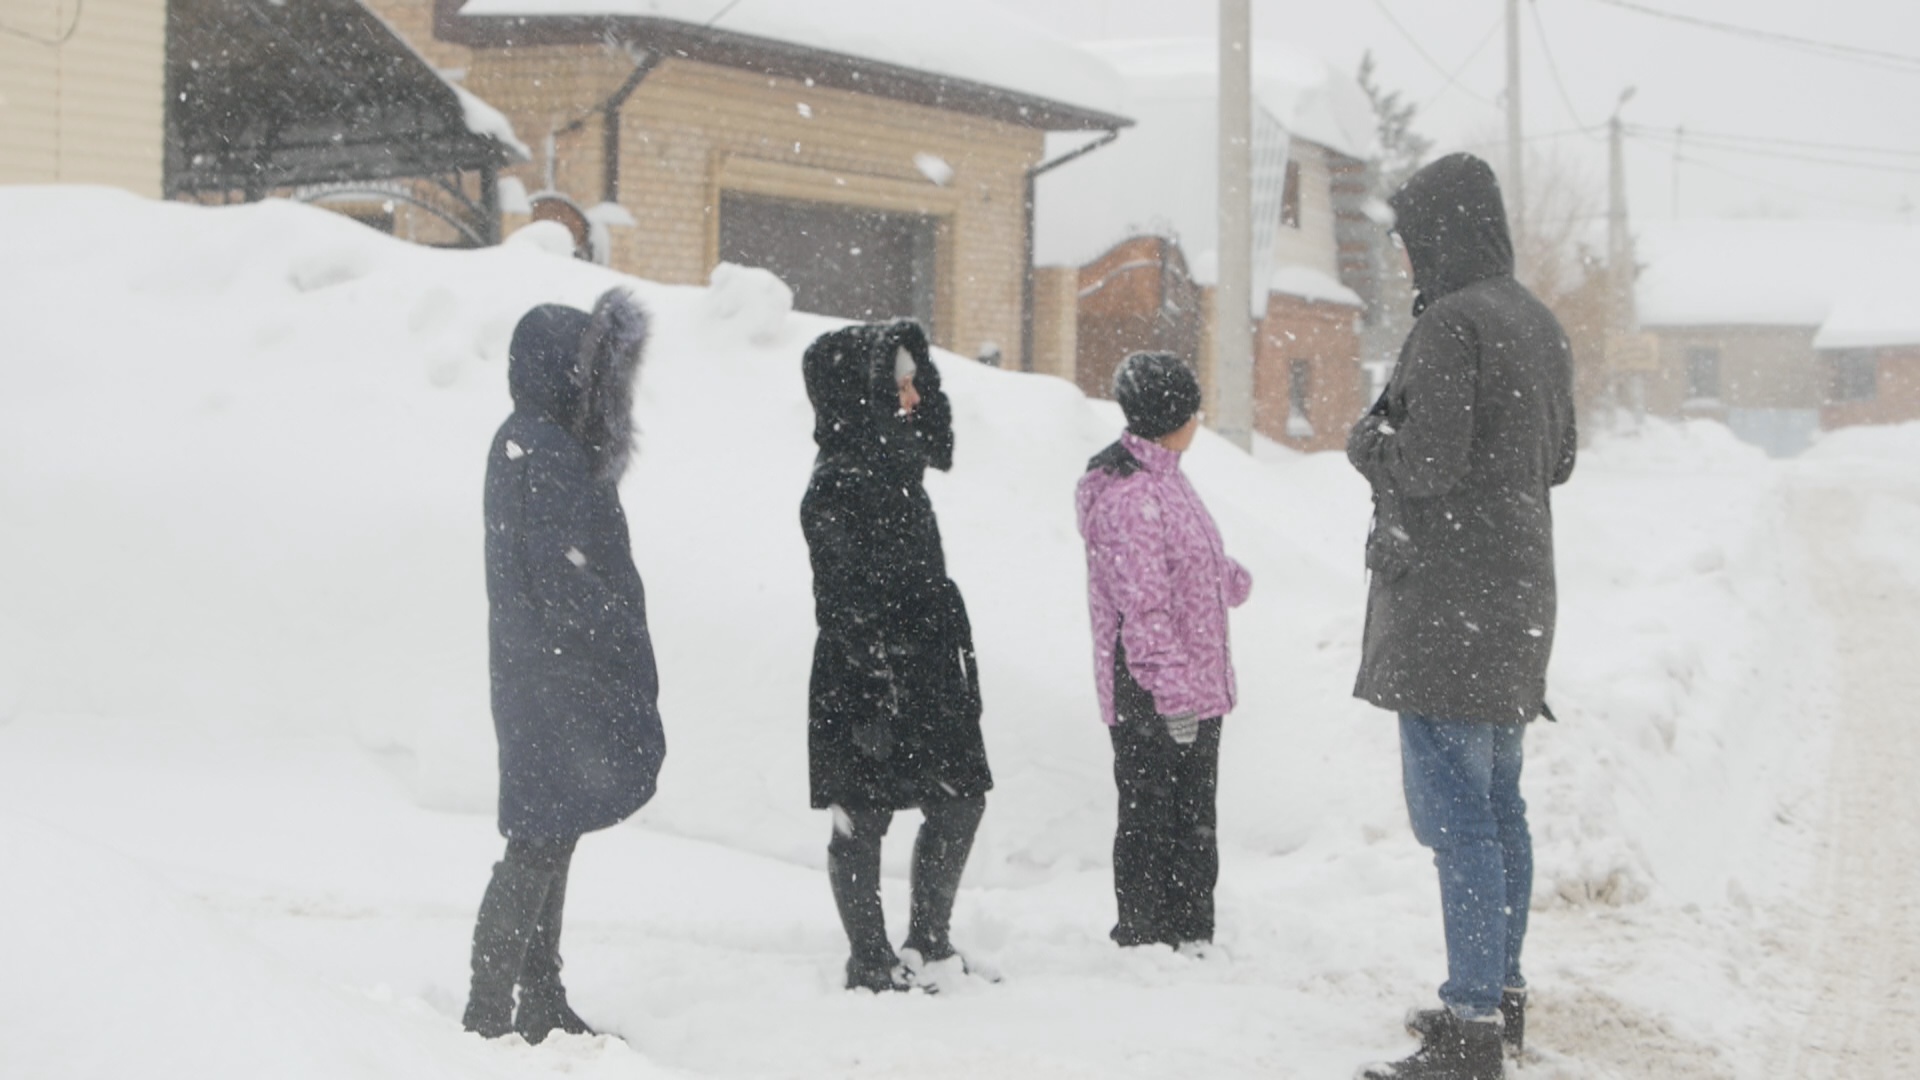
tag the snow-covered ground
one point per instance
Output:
(246, 762)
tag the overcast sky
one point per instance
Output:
(1714, 83)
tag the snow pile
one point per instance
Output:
(979, 43)
(241, 599)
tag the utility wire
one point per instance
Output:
(1802, 192)
(1770, 140)
(1566, 99)
(55, 41)
(1692, 140)
(1453, 79)
(1833, 50)
(1428, 57)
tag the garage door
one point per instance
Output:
(839, 260)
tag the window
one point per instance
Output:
(1299, 399)
(1290, 196)
(1853, 375)
(1703, 373)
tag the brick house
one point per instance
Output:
(892, 182)
(1768, 326)
(1128, 238)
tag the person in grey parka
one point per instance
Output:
(1474, 429)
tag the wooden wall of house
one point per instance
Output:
(89, 110)
(1312, 243)
(1760, 367)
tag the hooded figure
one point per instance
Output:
(573, 677)
(894, 701)
(1474, 429)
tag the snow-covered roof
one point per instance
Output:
(1780, 273)
(975, 43)
(1159, 178)
(1309, 98)
(483, 119)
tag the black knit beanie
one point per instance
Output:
(1157, 392)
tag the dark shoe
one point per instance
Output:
(501, 935)
(882, 978)
(1454, 1049)
(544, 1011)
(1513, 1019)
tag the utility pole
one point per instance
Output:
(1233, 294)
(1679, 136)
(1619, 240)
(1516, 182)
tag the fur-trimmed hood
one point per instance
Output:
(577, 369)
(850, 381)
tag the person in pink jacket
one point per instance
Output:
(1159, 584)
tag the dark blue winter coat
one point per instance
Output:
(573, 675)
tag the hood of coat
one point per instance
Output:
(577, 369)
(856, 401)
(1453, 222)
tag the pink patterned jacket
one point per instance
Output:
(1159, 578)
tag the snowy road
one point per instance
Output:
(1863, 925)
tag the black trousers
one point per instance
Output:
(1166, 851)
(939, 858)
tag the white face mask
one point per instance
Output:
(903, 366)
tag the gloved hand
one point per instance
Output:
(1184, 728)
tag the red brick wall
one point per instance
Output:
(1137, 297)
(1896, 397)
(1324, 337)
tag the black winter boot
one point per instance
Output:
(543, 999)
(1455, 1049)
(853, 869)
(501, 936)
(1513, 1020)
(939, 859)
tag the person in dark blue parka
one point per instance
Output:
(573, 675)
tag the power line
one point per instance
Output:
(1428, 57)
(1891, 61)
(1694, 139)
(1803, 193)
(1770, 140)
(1553, 67)
(1453, 79)
(55, 41)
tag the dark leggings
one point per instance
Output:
(939, 858)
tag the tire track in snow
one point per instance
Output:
(1863, 940)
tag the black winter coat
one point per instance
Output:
(894, 702)
(1475, 427)
(573, 675)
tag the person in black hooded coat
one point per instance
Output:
(894, 700)
(1475, 428)
(573, 678)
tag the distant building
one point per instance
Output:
(1769, 327)
(1131, 232)
(875, 155)
(217, 100)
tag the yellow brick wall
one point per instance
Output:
(413, 20)
(1056, 319)
(88, 111)
(693, 130)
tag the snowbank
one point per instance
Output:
(241, 612)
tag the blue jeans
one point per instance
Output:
(1462, 779)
